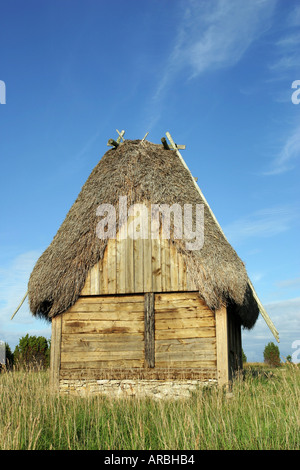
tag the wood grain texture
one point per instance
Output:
(222, 346)
(137, 266)
(149, 330)
(55, 352)
(185, 334)
(104, 332)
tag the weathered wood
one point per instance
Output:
(103, 356)
(107, 314)
(138, 250)
(108, 299)
(123, 344)
(222, 346)
(103, 326)
(121, 134)
(78, 338)
(184, 323)
(104, 364)
(112, 143)
(167, 373)
(185, 333)
(138, 266)
(184, 356)
(189, 344)
(121, 266)
(55, 352)
(19, 306)
(156, 265)
(172, 296)
(149, 330)
(103, 332)
(165, 143)
(187, 364)
(181, 313)
(129, 274)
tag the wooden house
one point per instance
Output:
(141, 308)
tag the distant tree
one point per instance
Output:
(9, 356)
(32, 351)
(244, 357)
(289, 358)
(272, 355)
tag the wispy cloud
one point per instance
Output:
(286, 316)
(13, 285)
(294, 17)
(215, 35)
(211, 36)
(288, 154)
(287, 55)
(263, 223)
(289, 283)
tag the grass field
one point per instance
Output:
(261, 412)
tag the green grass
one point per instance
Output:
(261, 412)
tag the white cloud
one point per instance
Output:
(13, 285)
(289, 283)
(288, 154)
(215, 35)
(285, 314)
(263, 223)
(294, 17)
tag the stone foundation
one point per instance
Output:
(133, 388)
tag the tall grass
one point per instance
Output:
(261, 412)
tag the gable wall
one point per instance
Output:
(136, 266)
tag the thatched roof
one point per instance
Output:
(142, 171)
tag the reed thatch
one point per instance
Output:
(142, 171)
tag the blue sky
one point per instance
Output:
(217, 74)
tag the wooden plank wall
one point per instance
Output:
(103, 332)
(167, 331)
(185, 334)
(137, 266)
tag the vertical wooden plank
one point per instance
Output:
(111, 267)
(222, 346)
(156, 265)
(181, 273)
(149, 330)
(129, 277)
(168, 267)
(138, 254)
(55, 352)
(174, 267)
(147, 249)
(121, 273)
(165, 265)
(148, 287)
(87, 286)
(104, 278)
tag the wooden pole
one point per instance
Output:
(20, 305)
(112, 143)
(121, 134)
(165, 143)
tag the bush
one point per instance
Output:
(9, 356)
(272, 355)
(32, 351)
